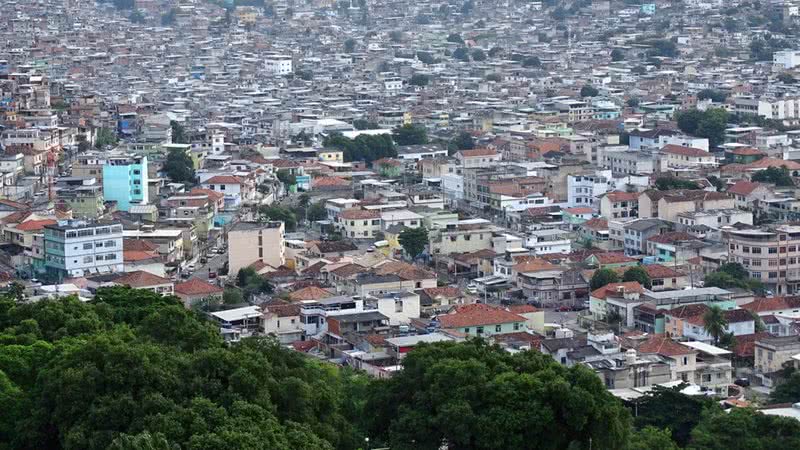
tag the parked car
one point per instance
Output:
(472, 288)
(564, 308)
(743, 382)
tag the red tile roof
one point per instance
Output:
(141, 279)
(613, 289)
(196, 286)
(35, 225)
(522, 309)
(772, 304)
(598, 223)
(283, 309)
(664, 346)
(684, 151)
(223, 179)
(672, 236)
(310, 293)
(477, 152)
(213, 195)
(746, 151)
(579, 210)
(477, 314)
(138, 255)
(764, 163)
(359, 214)
(743, 187)
(329, 181)
(620, 196)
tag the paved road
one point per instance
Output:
(553, 316)
(214, 264)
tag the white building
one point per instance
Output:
(685, 141)
(786, 59)
(278, 64)
(77, 248)
(544, 242)
(399, 307)
(585, 190)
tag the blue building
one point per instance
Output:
(125, 181)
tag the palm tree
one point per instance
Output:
(715, 323)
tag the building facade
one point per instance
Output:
(78, 248)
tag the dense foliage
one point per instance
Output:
(638, 274)
(733, 275)
(133, 369)
(179, 166)
(363, 148)
(669, 182)
(602, 277)
(414, 240)
(475, 396)
(777, 176)
(710, 124)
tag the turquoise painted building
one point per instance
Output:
(125, 181)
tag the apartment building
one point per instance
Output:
(461, 237)
(771, 255)
(585, 190)
(678, 156)
(772, 353)
(250, 242)
(76, 248)
(782, 108)
(125, 181)
(619, 205)
(359, 223)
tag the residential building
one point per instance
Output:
(125, 181)
(772, 354)
(77, 248)
(770, 255)
(359, 223)
(249, 242)
(481, 320)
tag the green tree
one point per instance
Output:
(638, 274)
(710, 124)
(179, 166)
(714, 323)
(363, 124)
(589, 91)
(462, 141)
(778, 176)
(495, 52)
(476, 396)
(651, 438)
(285, 215)
(419, 79)
(670, 182)
(136, 16)
(426, 58)
(787, 78)
(669, 409)
(414, 240)
(478, 55)
(455, 37)
(602, 277)
(105, 137)
(617, 55)
(232, 296)
(317, 211)
(531, 61)
(142, 441)
(461, 53)
(410, 134)
(286, 177)
(744, 429)
(788, 391)
(715, 96)
(349, 45)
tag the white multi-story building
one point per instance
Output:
(786, 59)
(75, 248)
(278, 64)
(768, 108)
(585, 190)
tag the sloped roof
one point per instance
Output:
(35, 225)
(478, 314)
(223, 179)
(196, 286)
(141, 279)
(310, 293)
(743, 187)
(664, 346)
(613, 289)
(684, 151)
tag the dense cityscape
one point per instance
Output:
(376, 224)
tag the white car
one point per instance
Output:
(472, 288)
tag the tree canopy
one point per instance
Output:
(638, 273)
(275, 212)
(364, 147)
(780, 176)
(477, 396)
(179, 167)
(589, 91)
(414, 240)
(710, 124)
(132, 370)
(669, 182)
(602, 277)
(733, 275)
(410, 134)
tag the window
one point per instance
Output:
(756, 275)
(221, 187)
(685, 360)
(88, 259)
(756, 263)
(479, 330)
(111, 244)
(87, 246)
(260, 252)
(398, 306)
(466, 330)
(706, 378)
(773, 274)
(773, 250)
(756, 250)
(111, 256)
(745, 249)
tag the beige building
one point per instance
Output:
(667, 205)
(773, 352)
(461, 237)
(674, 156)
(249, 242)
(771, 256)
(619, 205)
(359, 223)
